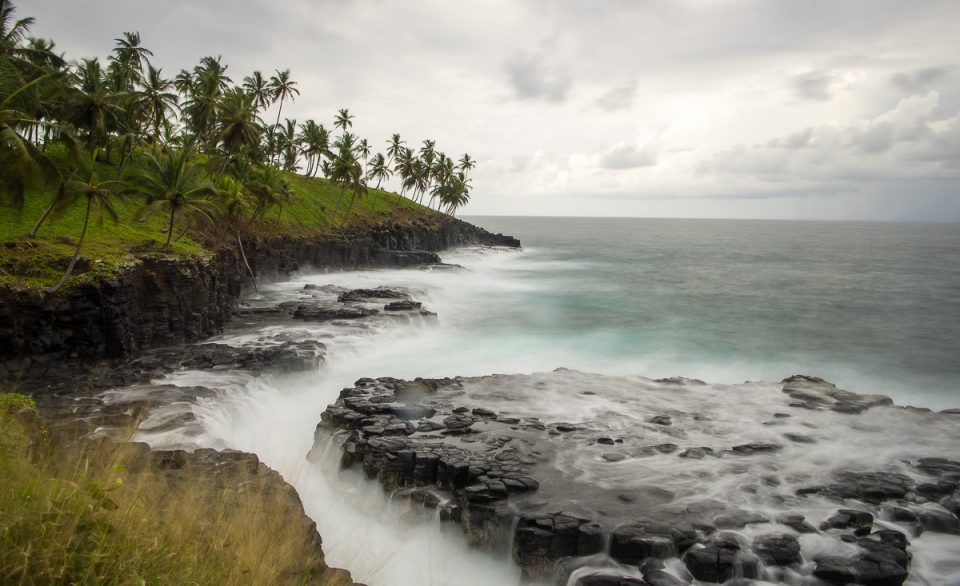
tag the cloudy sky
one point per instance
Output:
(841, 109)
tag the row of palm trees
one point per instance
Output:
(204, 151)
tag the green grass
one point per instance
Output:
(66, 518)
(108, 245)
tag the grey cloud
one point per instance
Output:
(918, 79)
(813, 85)
(531, 78)
(618, 98)
(628, 157)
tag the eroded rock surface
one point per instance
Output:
(673, 471)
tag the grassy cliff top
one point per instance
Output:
(108, 244)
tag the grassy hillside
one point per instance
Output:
(69, 519)
(108, 244)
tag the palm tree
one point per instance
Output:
(379, 169)
(23, 164)
(239, 127)
(92, 105)
(175, 186)
(269, 189)
(129, 56)
(259, 88)
(346, 171)
(12, 32)
(84, 185)
(363, 149)
(394, 148)
(156, 101)
(343, 120)
(282, 87)
(314, 144)
(466, 164)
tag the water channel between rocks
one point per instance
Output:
(557, 471)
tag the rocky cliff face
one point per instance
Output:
(161, 300)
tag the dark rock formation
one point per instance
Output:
(159, 300)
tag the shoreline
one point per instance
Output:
(65, 350)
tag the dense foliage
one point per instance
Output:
(193, 149)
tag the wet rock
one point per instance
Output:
(698, 453)
(361, 295)
(938, 520)
(609, 579)
(607, 441)
(777, 549)
(755, 448)
(613, 457)
(872, 487)
(799, 438)
(859, 570)
(739, 519)
(815, 393)
(796, 522)
(719, 560)
(458, 422)
(308, 312)
(646, 538)
(405, 305)
(848, 519)
(660, 420)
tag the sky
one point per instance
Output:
(833, 110)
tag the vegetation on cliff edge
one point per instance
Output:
(103, 160)
(71, 518)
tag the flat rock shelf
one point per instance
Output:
(589, 479)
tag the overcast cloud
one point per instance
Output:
(729, 108)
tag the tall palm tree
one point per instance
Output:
(378, 169)
(12, 32)
(394, 148)
(97, 195)
(466, 164)
(92, 105)
(259, 88)
(238, 127)
(363, 149)
(157, 102)
(314, 145)
(281, 88)
(22, 163)
(343, 120)
(174, 185)
(130, 57)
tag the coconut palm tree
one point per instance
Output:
(22, 163)
(281, 88)
(238, 126)
(314, 143)
(259, 88)
(466, 164)
(363, 149)
(175, 186)
(394, 148)
(378, 169)
(84, 185)
(129, 56)
(12, 32)
(343, 120)
(156, 102)
(92, 105)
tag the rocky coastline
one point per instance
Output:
(66, 349)
(443, 444)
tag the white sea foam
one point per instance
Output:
(498, 316)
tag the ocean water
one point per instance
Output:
(871, 307)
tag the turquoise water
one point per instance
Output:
(872, 307)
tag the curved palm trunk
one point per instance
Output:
(76, 254)
(173, 212)
(243, 255)
(43, 218)
(279, 110)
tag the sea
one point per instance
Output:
(871, 307)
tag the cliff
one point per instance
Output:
(161, 300)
